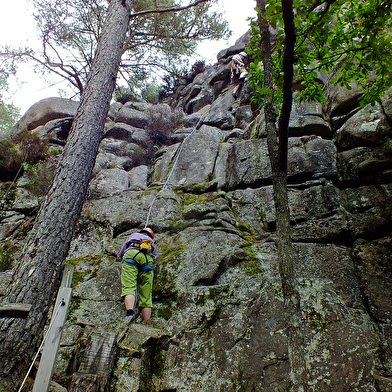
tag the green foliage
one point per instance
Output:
(150, 93)
(31, 146)
(7, 197)
(124, 94)
(352, 39)
(5, 257)
(70, 30)
(240, 384)
(256, 74)
(25, 147)
(287, 386)
(180, 75)
(41, 175)
(74, 305)
(140, 156)
(9, 113)
(10, 160)
(349, 40)
(162, 122)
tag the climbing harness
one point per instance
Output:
(198, 125)
(144, 247)
(144, 267)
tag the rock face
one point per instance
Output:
(45, 110)
(218, 317)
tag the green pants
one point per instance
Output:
(131, 278)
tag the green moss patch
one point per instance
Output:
(6, 255)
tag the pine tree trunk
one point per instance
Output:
(37, 278)
(277, 140)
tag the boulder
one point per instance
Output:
(120, 131)
(248, 164)
(132, 117)
(44, 111)
(138, 178)
(365, 165)
(340, 100)
(236, 48)
(106, 161)
(55, 131)
(219, 114)
(10, 221)
(308, 158)
(205, 145)
(243, 117)
(109, 182)
(368, 127)
(311, 157)
(202, 98)
(307, 119)
(113, 110)
(386, 103)
(165, 206)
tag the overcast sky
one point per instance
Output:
(17, 29)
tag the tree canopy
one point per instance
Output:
(351, 41)
(158, 40)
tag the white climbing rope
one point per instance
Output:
(197, 126)
(60, 304)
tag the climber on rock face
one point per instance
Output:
(238, 71)
(137, 257)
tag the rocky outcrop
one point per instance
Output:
(44, 111)
(218, 317)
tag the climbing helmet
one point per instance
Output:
(148, 231)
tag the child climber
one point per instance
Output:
(138, 256)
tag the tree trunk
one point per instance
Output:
(38, 275)
(277, 140)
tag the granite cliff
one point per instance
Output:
(218, 313)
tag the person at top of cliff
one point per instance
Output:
(238, 71)
(137, 259)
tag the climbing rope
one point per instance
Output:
(198, 125)
(60, 304)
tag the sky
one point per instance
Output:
(17, 29)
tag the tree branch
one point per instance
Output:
(173, 9)
(325, 10)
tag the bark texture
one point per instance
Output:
(37, 278)
(277, 139)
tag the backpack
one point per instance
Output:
(146, 246)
